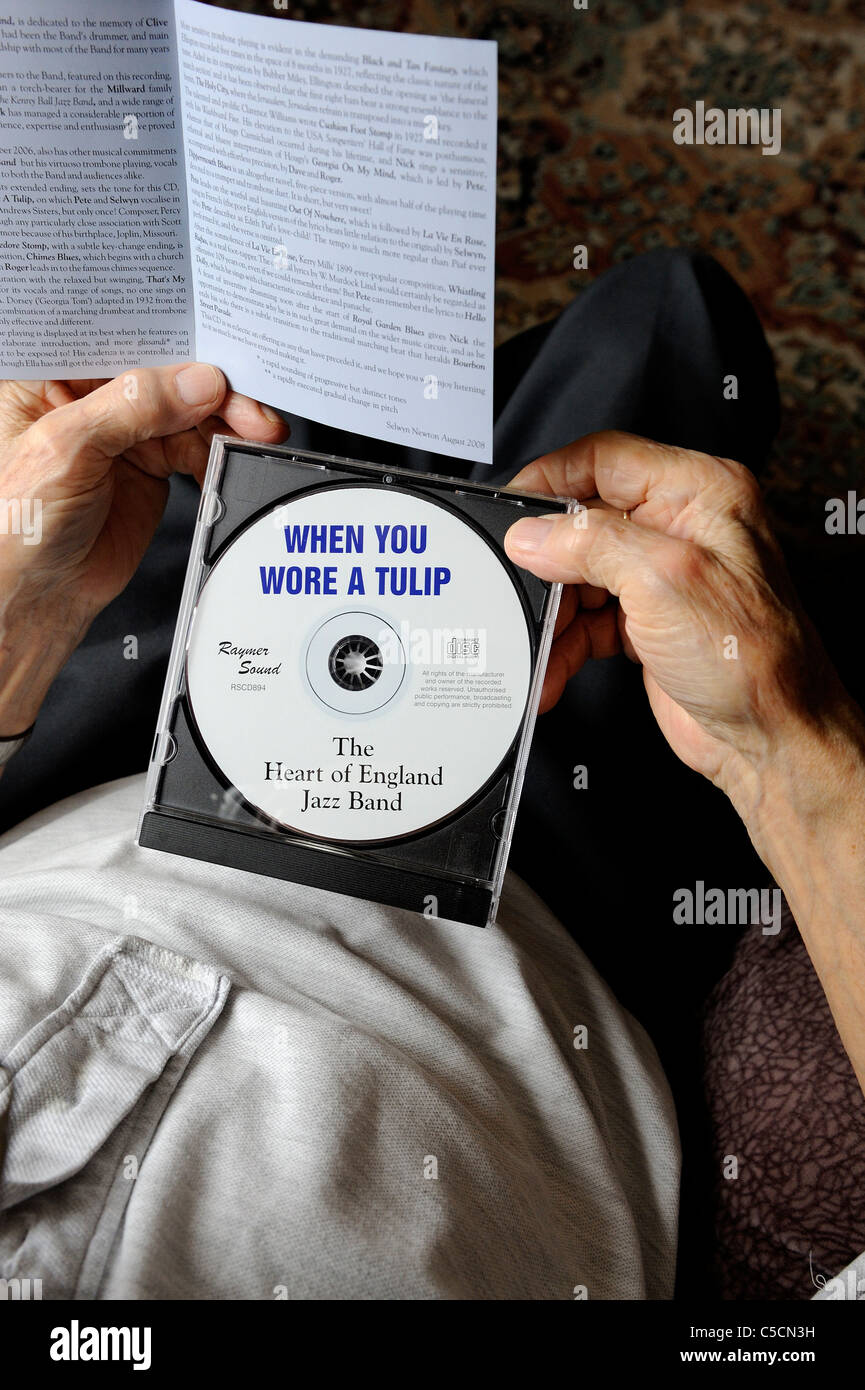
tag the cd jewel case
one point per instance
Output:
(353, 682)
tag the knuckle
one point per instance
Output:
(614, 439)
(133, 393)
(745, 494)
(592, 533)
(683, 565)
(570, 531)
(606, 446)
(191, 451)
(46, 445)
(128, 404)
(600, 446)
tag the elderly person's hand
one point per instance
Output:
(94, 458)
(693, 586)
(729, 659)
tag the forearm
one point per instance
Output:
(805, 813)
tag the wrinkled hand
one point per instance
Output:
(730, 662)
(94, 458)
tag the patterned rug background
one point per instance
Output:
(586, 155)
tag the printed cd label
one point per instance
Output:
(359, 663)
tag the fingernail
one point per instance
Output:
(198, 384)
(530, 533)
(272, 415)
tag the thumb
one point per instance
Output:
(593, 546)
(88, 433)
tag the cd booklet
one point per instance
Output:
(354, 680)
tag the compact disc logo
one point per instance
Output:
(435, 646)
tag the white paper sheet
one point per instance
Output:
(343, 263)
(94, 265)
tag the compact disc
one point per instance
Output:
(359, 663)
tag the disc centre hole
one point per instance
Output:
(355, 663)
